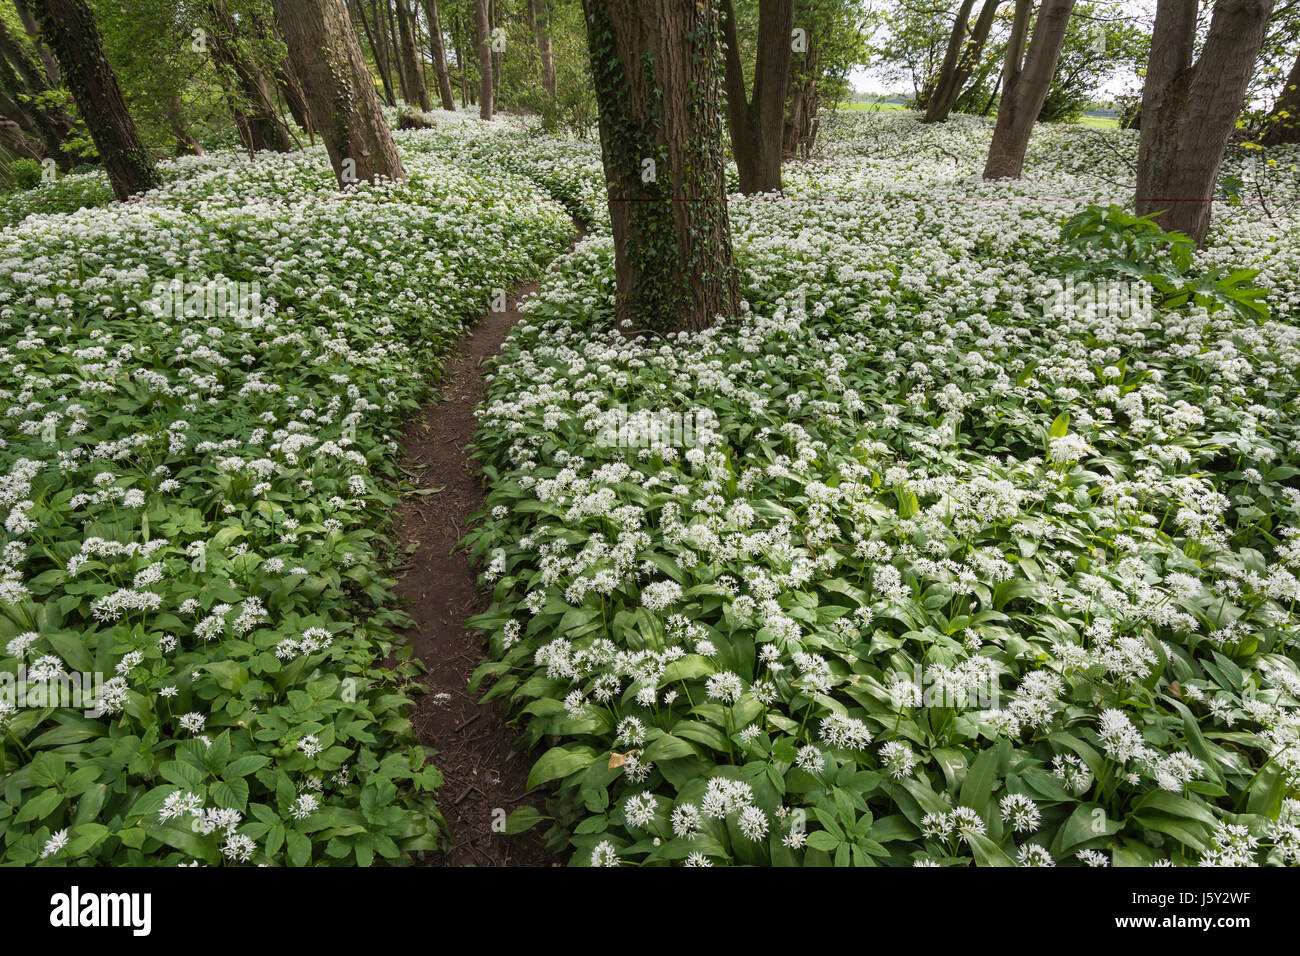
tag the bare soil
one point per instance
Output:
(472, 740)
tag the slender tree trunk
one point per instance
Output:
(1189, 109)
(800, 127)
(496, 58)
(457, 32)
(256, 114)
(439, 53)
(542, 27)
(28, 91)
(1283, 124)
(968, 53)
(410, 57)
(17, 141)
(757, 123)
(186, 144)
(72, 35)
(381, 63)
(1025, 86)
(485, 98)
(340, 94)
(53, 74)
(655, 65)
(951, 55)
(388, 27)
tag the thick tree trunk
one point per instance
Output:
(960, 62)
(1025, 86)
(757, 123)
(72, 35)
(411, 60)
(1283, 124)
(1189, 110)
(439, 53)
(542, 28)
(655, 66)
(341, 97)
(259, 121)
(484, 36)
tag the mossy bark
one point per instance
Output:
(657, 73)
(72, 35)
(341, 97)
(1189, 109)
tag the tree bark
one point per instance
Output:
(964, 58)
(438, 51)
(186, 144)
(1025, 85)
(457, 32)
(258, 120)
(757, 123)
(655, 66)
(340, 93)
(28, 90)
(411, 60)
(381, 63)
(485, 97)
(52, 72)
(951, 54)
(1189, 110)
(72, 35)
(542, 28)
(1282, 125)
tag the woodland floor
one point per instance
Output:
(472, 739)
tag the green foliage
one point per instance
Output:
(201, 500)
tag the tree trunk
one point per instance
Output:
(457, 31)
(52, 72)
(800, 127)
(1025, 86)
(951, 55)
(485, 98)
(1283, 124)
(439, 53)
(259, 121)
(381, 62)
(655, 66)
(542, 27)
(496, 58)
(1189, 110)
(341, 97)
(967, 57)
(757, 123)
(186, 144)
(29, 102)
(410, 58)
(72, 35)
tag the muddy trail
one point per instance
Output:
(472, 740)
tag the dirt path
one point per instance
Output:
(472, 740)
